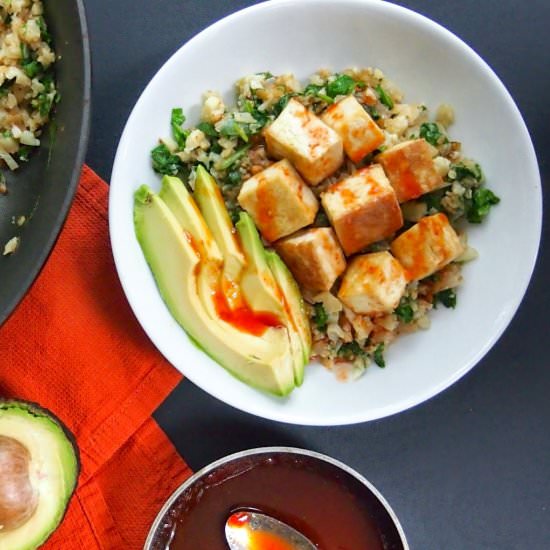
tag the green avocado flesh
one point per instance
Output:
(50, 474)
(211, 204)
(295, 308)
(191, 284)
(264, 291)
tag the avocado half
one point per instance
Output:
(39, 468)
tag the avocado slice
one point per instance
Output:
(261, 290)
(294, 305)
(257, 282)
(212, 206)
(178, 199)
(39, 468)
(189, 288)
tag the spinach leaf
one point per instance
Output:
(404, 310)
(164, 162)
(384, 97)
(320, 317)
(341, 85)
(207, 129)
(282, 103)
(462, 172)
(480, 205)
(431, 133)
(176, 121)
(316, 91)
(378, 355)
(446, 297)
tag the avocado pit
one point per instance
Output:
(18, 498)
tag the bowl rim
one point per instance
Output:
(48, 243)
(419, 397)
(275, 450)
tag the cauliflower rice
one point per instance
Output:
(229, 142)
(27, 87)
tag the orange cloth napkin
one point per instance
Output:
(74, 346)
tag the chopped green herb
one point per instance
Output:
(207, 129)
(404, 310)
(446, 297)
(341, 85)
(176, 121)
(378, 355)
(461, 172)
(320, 317)
(384, 97)
(232, 159)
(164, 162)
(480, 205)
(431, 133)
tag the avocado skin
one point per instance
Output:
(36, 410)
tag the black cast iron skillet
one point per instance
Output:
(43, 189)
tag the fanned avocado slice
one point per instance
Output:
(39, 469)
(188, 286)
(262, 291)
(294, 305)
(212, 207)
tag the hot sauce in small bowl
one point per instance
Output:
(326, 501)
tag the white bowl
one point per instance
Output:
(429, 64)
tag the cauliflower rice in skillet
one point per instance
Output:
(27, 86)
(369, 215)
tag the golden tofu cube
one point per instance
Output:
(298, 135)
(427, 246)
(314, 257)
(373, 283)
(411, 169)
(362, 208)
(278, 200)
(359, 133)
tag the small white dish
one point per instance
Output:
(430, 65)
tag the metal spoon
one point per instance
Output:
(248, 530)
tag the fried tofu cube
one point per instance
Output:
(373, 283)
(427, 246)
(298, 135)
(314, 257)
(410, 168)
(278, 200)
(359, 133)
(362, 208)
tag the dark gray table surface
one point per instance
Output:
(469, 469)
